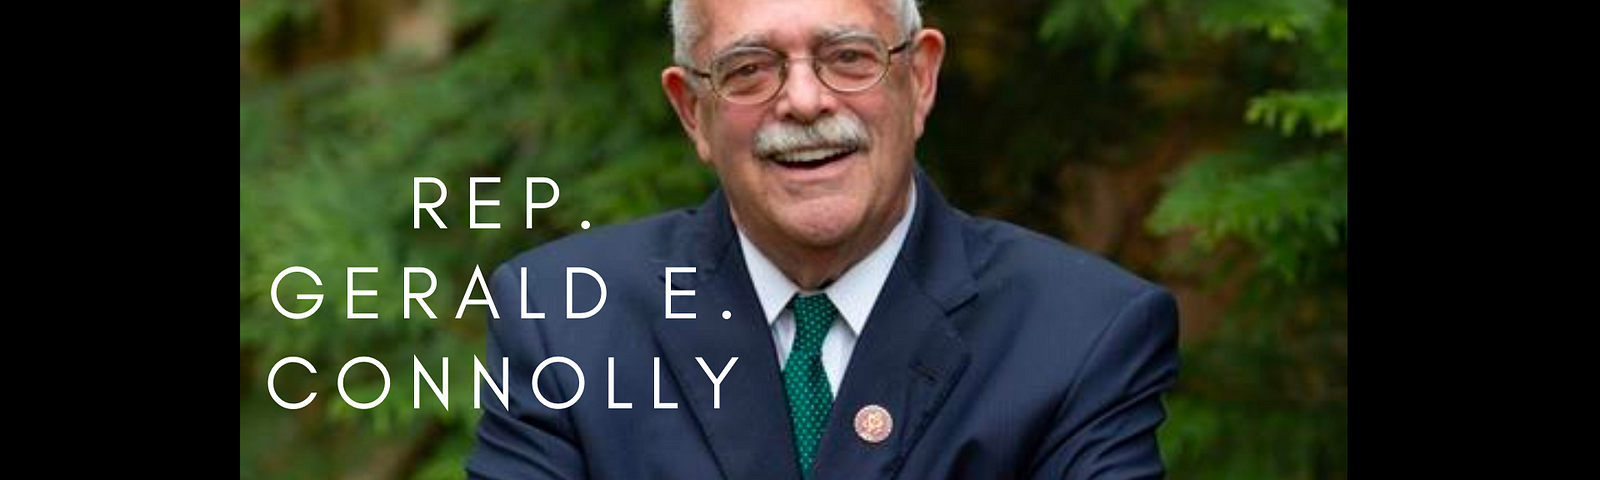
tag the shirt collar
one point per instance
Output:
(853, 294)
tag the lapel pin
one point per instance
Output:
(873, 424)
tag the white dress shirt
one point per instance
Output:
(853, 294)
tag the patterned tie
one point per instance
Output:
(806, 383)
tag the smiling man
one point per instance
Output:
(880, 332)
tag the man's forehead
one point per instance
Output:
(769, 22)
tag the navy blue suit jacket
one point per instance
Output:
(998, 352)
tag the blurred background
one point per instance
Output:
(1200, 143)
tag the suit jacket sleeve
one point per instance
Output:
(1106, 426)
(529, 440)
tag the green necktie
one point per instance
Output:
(804, 381)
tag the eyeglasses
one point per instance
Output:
(753, 75)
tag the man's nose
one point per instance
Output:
(804, 97)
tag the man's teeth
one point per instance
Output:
(810, 155)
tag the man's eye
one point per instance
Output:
(745, 70)
(848, 56)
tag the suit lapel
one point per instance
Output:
(905, 361)
(909, 355)
(749, 434)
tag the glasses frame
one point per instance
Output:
(816, 68)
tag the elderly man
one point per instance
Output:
(878, 332)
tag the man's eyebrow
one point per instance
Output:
(819, 36)
(747, 41)
(832, 32)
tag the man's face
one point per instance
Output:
(810, 191)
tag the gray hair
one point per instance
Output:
(687, 26)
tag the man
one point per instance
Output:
(879, 332)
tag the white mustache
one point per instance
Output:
(840, 130)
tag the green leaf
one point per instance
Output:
(1326, 112)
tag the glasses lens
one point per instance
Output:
(747, 76)
(853, 64)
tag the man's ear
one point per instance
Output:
(685, 101)
(927, 54)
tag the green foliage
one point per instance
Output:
(1103, 23)
(1216, 439)
(258, 18)
(1292, 212)
(1267, 396)
(327, 155)
(1286, 196)
(1325, 112)
(1281, 20)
